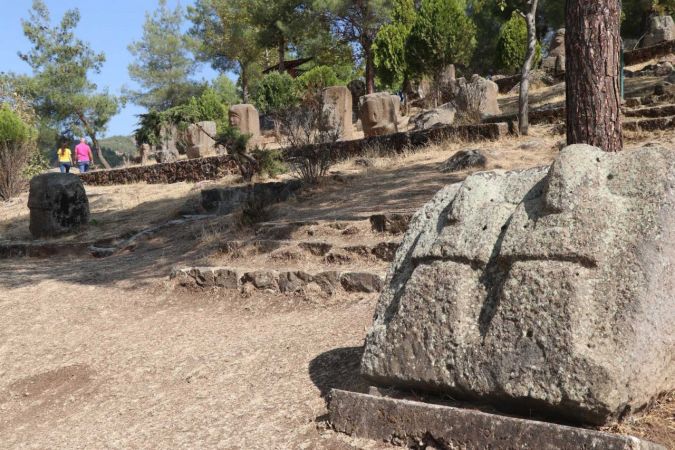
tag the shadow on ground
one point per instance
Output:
(338, 369)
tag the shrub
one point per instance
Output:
(271, 162)
(512, 45)
(274, 92)
(16, 139)
(314, 81)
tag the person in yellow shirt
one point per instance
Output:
(65, 159)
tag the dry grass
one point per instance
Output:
(656, 425)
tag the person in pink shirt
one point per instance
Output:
(83, 155)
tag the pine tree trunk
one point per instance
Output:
(592, 49)
(370, 67)
(523, 101)
(282, 55)
(243, 79)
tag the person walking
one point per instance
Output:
(65, 158)
(83, 155)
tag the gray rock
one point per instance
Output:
(464, 159)
(263, 279)
(328, 281)
(390, 223)
(548, 291)
(58, 204)
(442, 116)
(361, 282)
(290, 282)
(661, 28)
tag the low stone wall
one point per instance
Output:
(391, 144)
(645, 54)
(211, 168)
(536, 117)
(191, 170)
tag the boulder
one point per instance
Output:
(661, 28)
(464, 159)
(358, 90)
(246, 119)
(199, 140)
(58, 205)
(337, 104)
(379, 114)
(479, 96)
(543, 291)
(433, 118)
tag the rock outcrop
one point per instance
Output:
(661, 29)
(58, 205)
(545, 291)
(199, 140)
(441, 116)
(478, 96)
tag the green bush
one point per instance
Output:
(16, 150)
(512, 45)
(271, 162)
(275, 91)
(313, 82)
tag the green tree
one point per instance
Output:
(280, 24)
(442, 34)
(60, 87)
(314, 81)
(226, 90)
(274, 92)
(512, 45)
(16, 137)
(162, 65)
(357, 22)
(389, 47)
(223, 34)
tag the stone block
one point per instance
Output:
(661, 29)
(421, 425)
(361, 282)
(378, 114)
(246, 119)
(58, 204)
(337, 104)
(543, 290)
(199, 140)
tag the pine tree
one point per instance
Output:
(163, 64)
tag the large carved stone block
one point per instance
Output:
(545, 291)
(337, 104)
(378, 114)
(199, 140)
(661, 28)
(58, 204)
(246, 119)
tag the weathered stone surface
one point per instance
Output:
(378, 114)
(199, 140)
(464, 159)
(246, 119)
(542, 290)
(262, 279)
(316, 248)
(290, 282)
(480, 94)
(328, 281)
(661, 28)
(227, 200)
(422, 425)
(648, 53)
(58, 204)
(337, 104)
(207, 277)
(386, 251)
(555, 61)
(393, 223)
(444, 115)
(361, 282)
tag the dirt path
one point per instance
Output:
(104, 366)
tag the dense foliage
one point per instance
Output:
(275, 91)
(16, 147)
(512, 45)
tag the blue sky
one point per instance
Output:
(109, 26)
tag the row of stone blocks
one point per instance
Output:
(278, 281)
(384, 251)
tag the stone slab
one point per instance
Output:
(405, 422)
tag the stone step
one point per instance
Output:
(423, 425)
(384, 251)
(278, 281)
(651, 124)
(651, 112)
